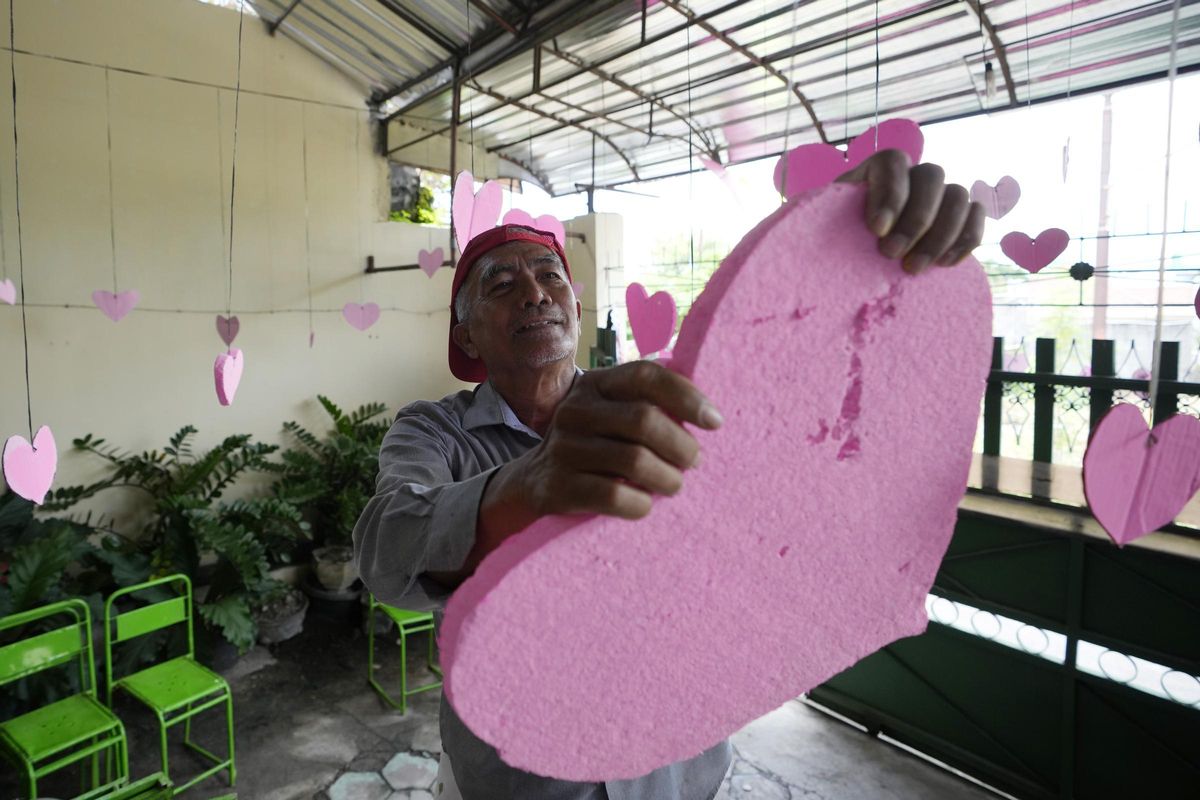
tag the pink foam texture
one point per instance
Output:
(593, 648)
(29, 470)
(651, 318)
(227, 328)
(116, 306)
(997, 200)
(474, 212)
(811, 166)
(1136, 483)
(227, 375)
(546, 222)
(1032, 255)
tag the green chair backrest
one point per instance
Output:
(121, 626)
(48, 649)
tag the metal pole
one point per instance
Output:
(1100, 293)
(455, 98)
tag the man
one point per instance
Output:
(539, 436)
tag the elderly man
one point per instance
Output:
(539, 436)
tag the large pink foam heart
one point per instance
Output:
(1034, 254)
(996, 200)
(652, 318)
(430, 261)
(361, 315)
(474, 212)
(546, 222)
(1136, 480)
(116, 306)
(227, 374)
(227, 328)
(593, 648)
(8, 292)
(811, 166)
(29, 470)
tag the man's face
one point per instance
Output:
(523, 312)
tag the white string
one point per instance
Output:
(1162, 252)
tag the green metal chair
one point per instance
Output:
(152, 787)
(408, 623)
(65, 732)
(175, 690)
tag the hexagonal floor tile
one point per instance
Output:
(410, 771)
(359, 786)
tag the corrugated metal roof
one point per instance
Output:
(605, 92)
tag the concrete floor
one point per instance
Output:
(308, 726)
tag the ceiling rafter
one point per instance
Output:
(997, 48)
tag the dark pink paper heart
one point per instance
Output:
(1134, 485)
(1032, 255)
(652, 318)
(227, 328)
(593, 648)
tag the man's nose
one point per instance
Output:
(532, 292)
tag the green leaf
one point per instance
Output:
(37, 567)
(232, 615)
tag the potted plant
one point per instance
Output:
(331, 479)
(279, 613)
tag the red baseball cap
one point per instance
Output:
(462, 365)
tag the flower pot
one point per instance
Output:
(335, 567)
(282, 619)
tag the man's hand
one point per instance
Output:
(917, 216)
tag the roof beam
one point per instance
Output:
(274, 26)
(435, 36)
(997, 47)
(491, 12)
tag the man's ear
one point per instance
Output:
(462, 338)
(578, 310)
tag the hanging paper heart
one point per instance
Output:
(1135, 486)
(811, 166)
(116, 306)
(8, 292)
(473, 213)
(28, 470)
(430, 261)
(227, 373)
(807, 538)
(361, 316)
(996, 200)
(652, 318)
(1034, 254)
(227, 329)
(1197, 303)
(1066, 158)
(715, 167)
(546, 222)
(577, 287)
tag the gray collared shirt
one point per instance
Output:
(433, 467)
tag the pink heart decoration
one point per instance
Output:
(473, 213)
(28, 470)
(652, 318)
(227, 328)
(8, 292)
(996, 200)
(361, 316)
(227, 373)
(715, 167)
(577, 288)
(1134, 486)
(1197, 303)
(811, 166)
(634, 644)
(430, 261)
(1034, 254)
(546, 222)
(116, 306)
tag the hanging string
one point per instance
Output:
(12, 51)
(362, 276)
(112, 213)
(787, 114)
(471, 102)
(237, 94)
(846, 70)
(691, 181)
(307, 238)
(1028, 73)
(1162, 252)
(876, 75)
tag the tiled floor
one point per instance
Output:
(308, 726)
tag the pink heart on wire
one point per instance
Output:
(227, 328)
(361, 316)
(1137, 480)
(8, 292)
(996, 200)
(227, 374)
(430, 261)
(811, 166)
(1197, 303)
(29, 470)
(652, 318)
(474, 212)
(1033, 255)
(116, 306)
(546, 222)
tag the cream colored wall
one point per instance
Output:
(170, 71)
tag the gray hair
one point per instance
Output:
(480, 276)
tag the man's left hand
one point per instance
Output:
(917, 216)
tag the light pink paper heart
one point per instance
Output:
(577, 288)
(116, 306)
(227, 328)
(8, 292)
(996, 200)
(715, 167)
(29, 470)
(811, 166)
(227, 374)
(652, 318)
(1197, 303)
(807, 538)
(1134, 486)
(473, 213)
(1033, 255)
(546, 222)
(430, 261)
(361, 316)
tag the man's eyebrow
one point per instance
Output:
(548, 258)
(492, 270)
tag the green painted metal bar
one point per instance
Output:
(1104, 365)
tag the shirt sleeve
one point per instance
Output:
(421, 519)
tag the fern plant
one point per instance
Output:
(332, 478)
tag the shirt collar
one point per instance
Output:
(489, 408)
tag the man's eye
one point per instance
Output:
(553, 275)
(500, 286)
